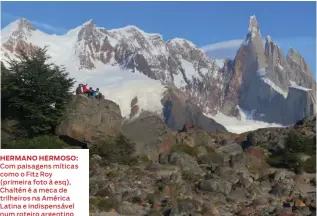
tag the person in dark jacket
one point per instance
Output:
(78, 89)
(91, 92)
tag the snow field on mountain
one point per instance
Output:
(261, 73)
(234, 125)
(294, 85)
(122, 86)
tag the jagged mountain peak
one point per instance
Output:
(268, 39)
(23, 23)
(89, 31)
(89, 22)
(254, 25)
(254, 35)
(181, 42)
(292, 52)
(295, 59)
(19, 29)
(131, 28)
(269, 43)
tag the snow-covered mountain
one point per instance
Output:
(260, 79)
(126, 63)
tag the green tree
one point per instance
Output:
(35, 92)
(296, 145)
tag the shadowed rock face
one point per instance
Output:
(150, 134)
(300, 71)
(90, 120)
(178, 110)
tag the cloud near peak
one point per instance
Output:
(223, 45)
(40, 25)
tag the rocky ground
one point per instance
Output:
(206, 174)
(139, 167)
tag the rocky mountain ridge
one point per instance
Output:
(264, 81)
(259, 80)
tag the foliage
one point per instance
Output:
(209, 149)
(103, 193)
(35, 93)
(290, 156)
(188, 176)
(119, 150)
(192, 151)
(202, 138)
(211, 158)
(103, 205)
(40, 142)
(113, 174)
(310, 165)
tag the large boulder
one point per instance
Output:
(90, 119)
(150, 134)
(185, 162)
(216, 185)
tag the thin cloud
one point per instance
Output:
(48, 27)
(223, 45)
(305, 45)
(38, 24)
(235, 44)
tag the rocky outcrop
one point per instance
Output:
(179, 110)
(96, 121)
(149, 133)
(89, 119)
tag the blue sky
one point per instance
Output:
(291, 24)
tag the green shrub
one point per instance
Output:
(211, 158)
(310, 165)
(153, 197)
(40, 142)
(103, 193)
(201, 138)
(188, 176)
(290, 157)
(93, 202)
(113, 174)
(209, 149)
(119, 150)
(155, 212)
(143, 159)
(107, 204)
(192, 151)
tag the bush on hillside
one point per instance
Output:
(40, 142)
(34, 92)
(290, 156)
(120, 150)
(192, 151)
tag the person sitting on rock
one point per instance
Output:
(85, 90)
(97, 94)
(91, 92)
(78, 89)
